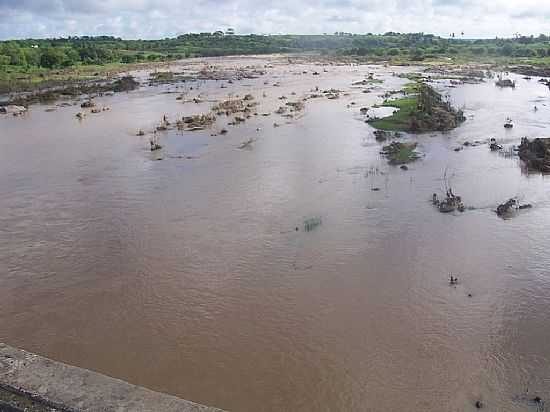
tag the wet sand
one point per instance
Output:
(186, 275)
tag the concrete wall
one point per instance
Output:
(68, 388)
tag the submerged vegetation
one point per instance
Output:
(400, 153)
(312, 223)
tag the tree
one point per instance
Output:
(32, 56)
(71, 57)
(18, 58)
(478, 50)
(417, 54)
(507, 49)
(15, 53)
(52, 57)
(129, 58)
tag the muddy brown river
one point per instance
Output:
(182, 270)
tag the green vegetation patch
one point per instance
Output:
(400, 153)
(412, 88)
(399, 120)
(425, 111)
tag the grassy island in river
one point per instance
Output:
(424, 111)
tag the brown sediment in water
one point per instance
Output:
(189, 277)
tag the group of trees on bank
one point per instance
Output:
(419, 46)
(70, 51)
(50, 56)
(65, 52)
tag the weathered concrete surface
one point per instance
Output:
(14, 402)
(68, 388)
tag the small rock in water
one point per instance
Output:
(479, 404)
(375, 189)
(404, 167)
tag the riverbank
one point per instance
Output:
(14, 402)
(20, 80)
(24, 79)
(73, 83)
(32, 383)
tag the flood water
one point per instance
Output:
(187, 274)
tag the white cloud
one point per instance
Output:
(165, 18)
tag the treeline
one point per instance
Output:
(419, 46)
(66, 52)
(55, 56)
(71, 51)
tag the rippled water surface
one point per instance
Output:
(187, 275)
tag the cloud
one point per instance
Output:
(166, 18)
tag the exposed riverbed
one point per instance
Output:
(182, 270)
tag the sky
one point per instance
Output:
(153, 19)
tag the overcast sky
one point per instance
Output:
(149, 19)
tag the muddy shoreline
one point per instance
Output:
(51, 91)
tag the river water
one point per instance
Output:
(182, 270)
